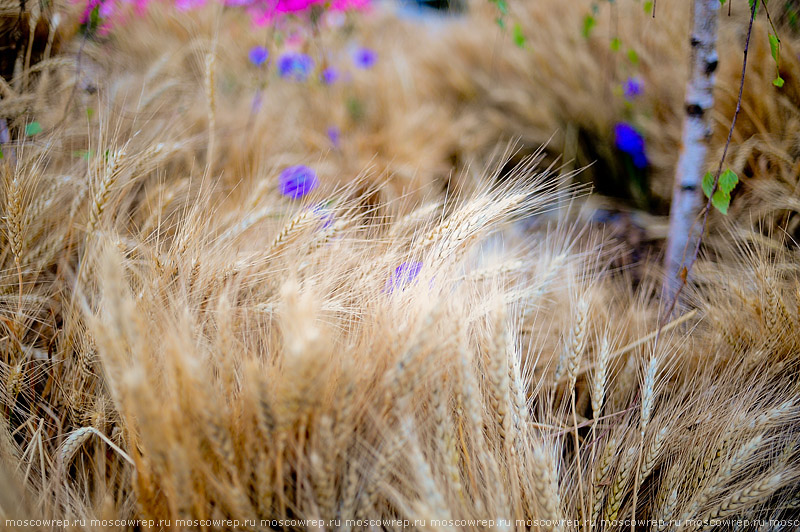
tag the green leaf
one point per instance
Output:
(721, 201)
(355, 109)
(518, 36)
(774, 46)
(728, 181)
(500, 22)
(588, 23)
(89, 27)
(708, 184)
(2, 156)
(615, 44)
(502, 5)
(32, 129)
(89, 113)
(778, 82)
(721, 2)
(633, 57)
(648, 6)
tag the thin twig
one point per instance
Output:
(687, 268)
(684, 272)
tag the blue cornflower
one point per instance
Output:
(632, 88)
(403, 275)
(365, 58)
(325, 215)
(295, 65)
(631, 142)
(297, 181)
(329, 76)
(333, 135)
(258, 55)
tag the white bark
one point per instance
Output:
(687, 195)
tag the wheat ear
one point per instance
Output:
(497, 369)
(746, 497)
(723, 475)
(15, 217)
(652, 453)
(100, 199)
(78, 437)
(614, 500)
(545, 482)
(599, 475)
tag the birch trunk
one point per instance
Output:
(687, 195)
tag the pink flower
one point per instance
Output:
(347, 5)
(294, 6)
(266, 11)
(188, 5)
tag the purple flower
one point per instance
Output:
(365, 58)
(295, 66)
(403, 275)
(333, 135)
(258, 55)
(324, 214)
(297, 181)
(632, 88)
(631, 142)
(329, 76)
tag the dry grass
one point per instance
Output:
(179, 341)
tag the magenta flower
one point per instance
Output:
(293, 6)
(265, 11)
(347, 5)
(297, 181)
(188, 5)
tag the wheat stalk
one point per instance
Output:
(600, 376)
(210, 86)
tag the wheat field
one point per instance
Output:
(440, 336)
